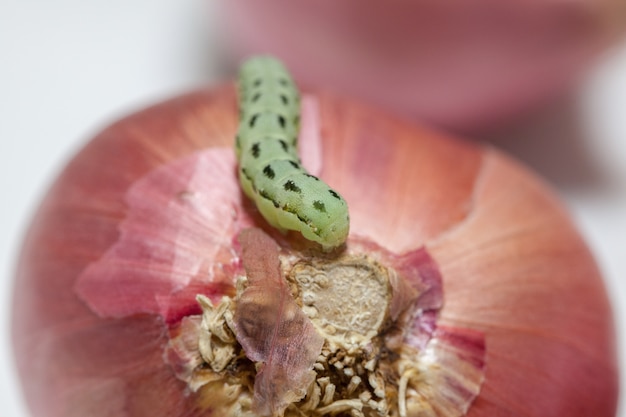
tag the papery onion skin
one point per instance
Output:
(461, 65)
(513, 265)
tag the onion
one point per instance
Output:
(462, 65)
(471, 289)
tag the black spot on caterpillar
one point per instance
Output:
(269, 172)
(253, 120)
(334, 194)
(287, 196)
(281, 121)
(319, 206)
(289, 185)
(256, 150)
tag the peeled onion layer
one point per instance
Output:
(121, 246)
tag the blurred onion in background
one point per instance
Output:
(465, 66)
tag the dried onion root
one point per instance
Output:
(364, 312)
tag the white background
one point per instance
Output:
(70, 67)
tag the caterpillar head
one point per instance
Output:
(334, 234)
(321, 213)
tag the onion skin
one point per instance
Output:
(465, 66)
(513, 265)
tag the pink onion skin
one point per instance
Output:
(465, 66)
(513, 265)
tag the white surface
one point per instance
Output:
(69, 67)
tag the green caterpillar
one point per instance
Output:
(270, 171)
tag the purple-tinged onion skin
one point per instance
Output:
(513, 266)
